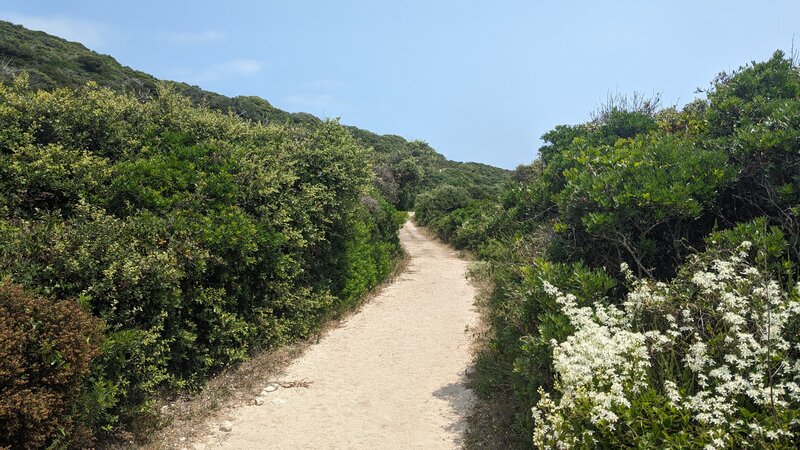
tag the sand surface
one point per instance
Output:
(392, 376)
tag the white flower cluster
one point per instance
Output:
(711, 343)
(600, 365)
(746, 359)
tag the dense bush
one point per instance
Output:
(366, 259)
(402, 168)
(46, 348)
(708, 360)
(439, 202)
(406, 170)
(645, 200)
(674, 196)
(196, 236)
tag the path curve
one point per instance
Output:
(392, 376)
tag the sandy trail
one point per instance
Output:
(392, 376)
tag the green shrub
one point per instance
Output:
(196, 236)
(670, 194)
(440, 201)
(644, 201)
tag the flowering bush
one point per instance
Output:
(707, 360)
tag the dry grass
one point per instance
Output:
(491, 426)
(187, 416)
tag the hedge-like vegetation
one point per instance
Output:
(644, 272)
(195, 236)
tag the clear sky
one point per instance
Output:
(478, 80)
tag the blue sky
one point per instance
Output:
(480, 81)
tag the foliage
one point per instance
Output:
(196, 236)
(406, 169)
(636, 200)
(754, 115)
(440, 201)
(368, 256)
(674, 195)
(402, 168)
(708, 360)
(46, 348)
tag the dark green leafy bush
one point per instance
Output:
(439, 202)
(196, 236)
(645, 201)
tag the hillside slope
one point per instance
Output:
(53, 62)
(154, 234)
(403, 169)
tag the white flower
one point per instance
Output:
(731, 334)
(697, 357)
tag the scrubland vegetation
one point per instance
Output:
(644, 275)
(176, 231)
(191, 236)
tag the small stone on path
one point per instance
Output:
(226, 426)
(278, 401)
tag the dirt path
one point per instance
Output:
(390, 377)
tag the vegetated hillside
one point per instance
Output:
(154, 233)
(403, 168)
(188, 237)
(53, 62)
(192, 236)
(644, 275)
(150, 240)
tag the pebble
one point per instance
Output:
(258, 401)
(271, 388)
(278, 401)
(226, 426)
